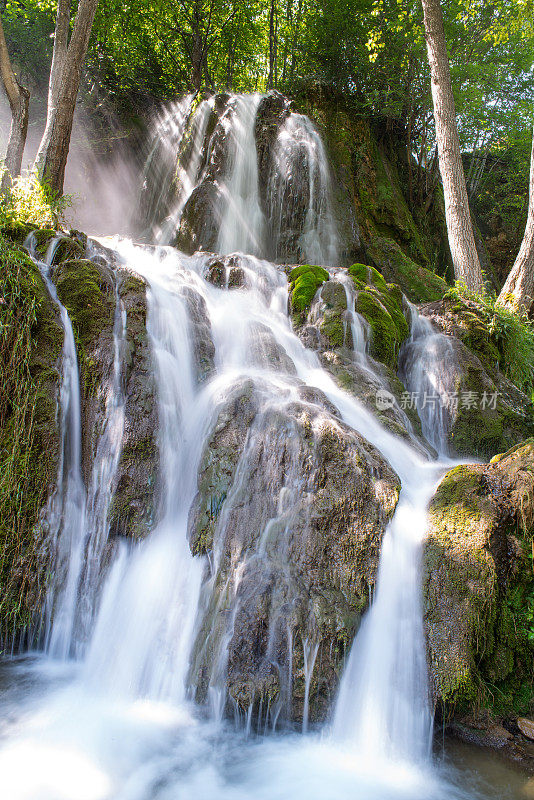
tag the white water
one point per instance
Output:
(428, 369)
(65, 513)
(300, 178)
(242, 222)
(300, 222)
(121, 726)
(124, 728)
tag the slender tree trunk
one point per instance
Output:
(19, 100)
(459, 227)
(271, 81)
(518, 290)
(65, 77)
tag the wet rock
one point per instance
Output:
(382, 305)
(132, 511)
(291, 507)
(273, 110)
(199, 224)
(526, 726)
(492, 414)
(325, 327)
(201, 340)
(264, 351)
(219, 463)
(477, 581)
(226, 272)
(87, 291)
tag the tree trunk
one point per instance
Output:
(19, 100)
(65, 77)
(271, 81)
(518, 290)
(459, 227)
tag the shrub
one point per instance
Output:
(32, 202)
(512, 333)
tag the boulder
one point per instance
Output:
(291, 508)
(479, 607)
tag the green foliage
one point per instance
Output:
(32, 202)
(511, 332)
(28, 27)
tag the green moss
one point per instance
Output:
(480, 610)
(305, 280)
(31, 339)
(364, 275)
(419, 284)
(17, 231)
(87, 293)
(388, 325)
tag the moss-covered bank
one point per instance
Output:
(31, 338)
(479, 586)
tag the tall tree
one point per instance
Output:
(518, 290)
(19, 99)
(65, 75)
(273, 46)
(459, 226)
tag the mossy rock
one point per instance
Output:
(31, 339)
(363, 275)
(382, 306)
(498, 416)
(334, 326)
(86, 290)
(304, 281)
(420, 285)
(17, 231)
(479, 588)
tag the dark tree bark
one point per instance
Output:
(19, 100)
(65, 77)
(459, 226)
(518, 290)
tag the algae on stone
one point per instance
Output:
(478, 585)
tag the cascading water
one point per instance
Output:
(77, 522)
(101, 487)
(242, 221)
(428, 368)
(299, 189)
(66, 511)
(125, 728)
(209, 155)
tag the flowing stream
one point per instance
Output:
(120, 721)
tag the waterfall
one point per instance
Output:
(202, 173)
(76, 524)
(242, 222)
(66, 511)
(102, 485)
(428, 368)
(299, 189)
(153, 628)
